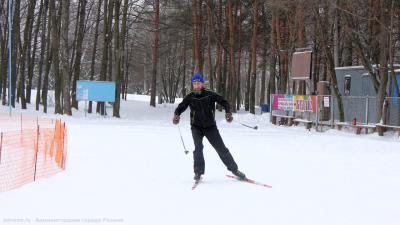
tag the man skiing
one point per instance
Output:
(202, 120)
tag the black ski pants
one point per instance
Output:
(213, 136)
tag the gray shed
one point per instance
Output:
(355, 85)
(354, 81)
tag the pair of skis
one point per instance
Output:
(247, 180)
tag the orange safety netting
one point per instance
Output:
(30, 149)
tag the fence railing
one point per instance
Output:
(30, 149)
(393, 111)
(356, 109)
(360, 109)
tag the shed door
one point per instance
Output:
(366, 85)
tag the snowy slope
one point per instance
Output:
(133, 171)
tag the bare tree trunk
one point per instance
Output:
(209, 30)
(263, 75)
(324, 40)
(272, 63)
(155, 53)
(43, 46)
(78, 56)
(27, 32)
(218, 64)
(4, 63)
(65, 57)
(240, 46)
(110, 57)
(2, 55)
(254, 58)
(248, 82)
(127, 52)
(127, 77)
(3, 70)
(232, 65)
(336, 36)
(225, 58)
(32, 57)
(272, 75)
(73, 44)
(184, 64)
(117, 55)
(264, 55)
(383, 38)
(96, 36)
(301, 90)
(224, 72)
(15, 49)
(124, 51)
(374, 29)
(108, 7)
(197, 64)
(316, 58)
(347, 49)
(48, 61)
(180, 73)
(392, 42)
(163, 72)
(55, 43)
(364, 56)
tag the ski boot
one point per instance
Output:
(197, 177)
(239, 175)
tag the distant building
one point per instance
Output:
(354, 82)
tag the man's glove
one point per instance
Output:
(176, 119)
(228, 117)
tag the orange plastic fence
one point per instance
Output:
(30, 148)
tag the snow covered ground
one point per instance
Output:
(134, 171)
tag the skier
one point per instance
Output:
(202, 120)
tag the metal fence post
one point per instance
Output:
(270, 108)
(63, 147)
(317, 116)
(1, 145)
(331, 106)
(36, 152)
(333, 110)
(366, 109)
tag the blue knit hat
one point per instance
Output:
(197, 78)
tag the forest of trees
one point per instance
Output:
(243, 48)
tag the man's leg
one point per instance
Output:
(216, 141)
(198, 157)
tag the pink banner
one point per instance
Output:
(294, 103)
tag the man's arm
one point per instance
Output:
(182, 106)
(222, 101)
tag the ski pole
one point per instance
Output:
(183, 143)
(255, 127)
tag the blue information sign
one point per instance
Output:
(99, 91)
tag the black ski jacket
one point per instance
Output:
(202, 107)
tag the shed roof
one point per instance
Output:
(361, 67)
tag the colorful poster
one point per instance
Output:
(286, 103)
(304, 103)
(277, 102)
(294, 103)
